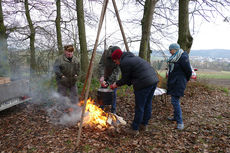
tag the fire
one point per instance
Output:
(96, 116)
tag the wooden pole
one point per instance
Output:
(90, 70)
(121, 28)
(87, 75)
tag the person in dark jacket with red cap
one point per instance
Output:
(179, 74)
(137, 72)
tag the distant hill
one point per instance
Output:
(214, 53)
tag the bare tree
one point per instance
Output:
(185, 39)
(32, 39)
(4, 62)
(58, 27)
(146, 23)
(82, 38)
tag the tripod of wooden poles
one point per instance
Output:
(88, 79)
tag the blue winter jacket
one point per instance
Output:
(136, 71)
(178, 78)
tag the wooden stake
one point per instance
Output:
(90, 70)
(121, 28)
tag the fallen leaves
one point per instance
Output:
(27, 128)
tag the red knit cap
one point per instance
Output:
(116, 54)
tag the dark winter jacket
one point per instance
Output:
(177, 79)
(107, 68)
(67, 68)
(136, 71)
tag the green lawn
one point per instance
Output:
(213, 74)
(207, 74)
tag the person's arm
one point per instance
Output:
(114, 74)
(57, 69)
(77, 67)
(125, 79)
(186, 67)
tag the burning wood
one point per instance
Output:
(4, 80)
(96, 117)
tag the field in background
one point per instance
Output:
(211, 77)
(206, 74)
(209, 74)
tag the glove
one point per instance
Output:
(104, 84)
(63, 80)
(113, 86)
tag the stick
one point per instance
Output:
(119, 21)
(91, 68)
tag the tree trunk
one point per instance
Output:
(32, 41)
(4, 61)
(149, 53)
(146, 23)
(185, 39)
(58, 27)
(82, 38)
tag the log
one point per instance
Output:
(4, 80)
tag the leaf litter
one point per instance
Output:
(206, 115)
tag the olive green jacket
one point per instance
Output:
(107, 68)
(64, 67)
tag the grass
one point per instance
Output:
(213, 74)
(203, 75)
(162, 73)
(107, 149)
(225, 90)
(122, 90)
(87, 148)
(206, 74)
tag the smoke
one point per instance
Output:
(60, 109)
(63, 112)
(70, 119)
(42, 89)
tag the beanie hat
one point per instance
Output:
(117, 54)
(175, 46)
(113, 48)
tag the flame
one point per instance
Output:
(96, 115)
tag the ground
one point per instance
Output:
(27, 127)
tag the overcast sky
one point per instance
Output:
(212, 36)
(207, 35)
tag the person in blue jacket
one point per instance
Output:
(139, 73)
(179, 73)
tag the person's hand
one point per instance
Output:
(104, 84)
(102, 80)
(75, 77)
(63, 80)
(113, 86)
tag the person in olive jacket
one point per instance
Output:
(66, 68)
(109, 73)
(179, 73)
(139, 73)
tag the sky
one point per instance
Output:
(207, 35)
(212, 36)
